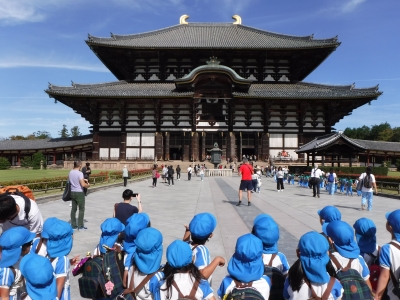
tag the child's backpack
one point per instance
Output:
(354, 285)
(102, 277)
(331, 178)
(374, 270)
(349, 183)
(277, 280)
(395, 281)
(327, 292)
(192, 294)
(243, 291)
(367, 182)
(22, 191)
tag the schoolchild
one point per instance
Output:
(389, 257)
(39, 285)
(200, 230)
(308, 276)
(366, 238)
(328, 214)
(14, 243)
(135, 224)
(342, 236)
(181, 277)
(266, 229)
(110, 230)
(246, 267)
(58, 235)
(147, 263)
(331, 176)
(349, 187)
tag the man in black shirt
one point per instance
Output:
(123, 210)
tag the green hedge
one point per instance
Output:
(383, 171)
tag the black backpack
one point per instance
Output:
(243, 291)
(367, 182)
(354, 286)
(98, 271)
(277, 280)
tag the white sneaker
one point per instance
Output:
(70, 204)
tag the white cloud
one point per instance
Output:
(351, 5)
(19, 61)
(19, 11)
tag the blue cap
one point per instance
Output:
(343, 236)
(110, 229)
(328, 214)
(365, 234)
(202, 225)
(246, 263)
(11, 243)
(134, 224)
(266, 229)
(394, 221)
(59, 237)
(314, 256)
(179, 254)
(38, 273)
(149, 250)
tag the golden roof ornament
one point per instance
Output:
(183, 19)
(238, 19)
(213, 61)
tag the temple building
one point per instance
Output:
(181, 89)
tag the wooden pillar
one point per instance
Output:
(265, 146)
(240, 153)
(313, 158)
(195, 146)
(373, 160)
(338, 160)
(333, 160)
(185, 146)
(166, 148)
(367, 158)
(96, 148)
(256, 145)
(351, 159)
(159, 146)
(122, 151)
(231, 145)
(323, 159)
(308, 159)
(300, 144)
(203, 146)
(54, 157)
(19, 159)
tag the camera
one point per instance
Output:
(135, 195)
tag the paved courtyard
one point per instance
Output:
(170, 207)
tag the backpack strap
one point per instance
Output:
(134, 291)
(271, 260)
(27, 208)
(325, 295)
(192, 291)
(180, 295)
(242, 285)
(392, 276)
(338, 265)
(39, 246)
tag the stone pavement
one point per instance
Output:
(170, 207)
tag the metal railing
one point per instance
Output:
(218, 172)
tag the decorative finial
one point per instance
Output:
(183, 19)
(90, 38)
(213, 61)
(238, 19)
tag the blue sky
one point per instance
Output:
(43, 41)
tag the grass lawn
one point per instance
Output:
(394, 173)
(28, 174)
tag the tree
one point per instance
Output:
(75, 131)
(33, 136)
(376, 130)
(64, 132)
(4, 163)
(42, 134)
(396, 134)
(37, 158)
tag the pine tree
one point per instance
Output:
(64, 132)
(75, 131)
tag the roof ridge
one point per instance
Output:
(85, 85)
(340, 86)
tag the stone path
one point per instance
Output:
(170, 207)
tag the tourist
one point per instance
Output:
(12, 214)
(200, 230)
(77, 183)
(266, 229)
(368, 182)
(254, 181)
(246, 184)
(124, 210)
(365, 230)
(308, 277)
(170, 175)
(86, 170)
(389, 258)
(146, 264)
(245, 267)
(154, 176)
(181, 277)
(58, 235)
(201, 173)
(165, 173)
(349, 187)
(346, 249)
(178, 172)
(279, 180)
(189, 171)
(125, 175)
(316, 173)
(110, 231)
(14, 244)
(331, 176)
(39, 285)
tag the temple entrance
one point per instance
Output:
(175, 153)
(248, 151)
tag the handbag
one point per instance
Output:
(67, 192)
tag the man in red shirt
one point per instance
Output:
(246, 170)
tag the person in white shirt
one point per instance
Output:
(368, 182)
(315, 180)
(189, 170)
(12, 214)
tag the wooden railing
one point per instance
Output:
(218, 172)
